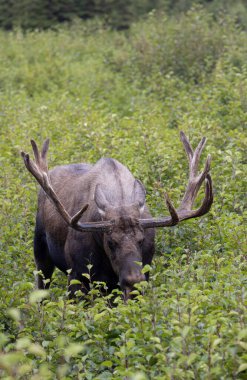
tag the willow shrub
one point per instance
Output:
(188, 45)
(189, 321)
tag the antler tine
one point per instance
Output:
(172, 211)
(167, 221)
(45, 148)
(206, 169)
(196, 157)
(192, 156)
(75, 219)
(209, 197)
(39, 169)
(35, 151)
(40, 158)
(187, 146)
(31, 167)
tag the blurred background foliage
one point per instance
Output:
(118, 14)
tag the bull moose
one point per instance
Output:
(96, 214)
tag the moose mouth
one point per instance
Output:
(126, 293)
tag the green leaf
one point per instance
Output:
(185, 331)
(38, 295)
(107, 363)
(243, 345)
(146, 268)
(23, 343)
(73, 350)
(242, 367)
(99, 316)
(36, 350)
(242, 334)
(216, 342)
(75, 282)
(14, 314)
(86, 275)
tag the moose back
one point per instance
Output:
(96, 214)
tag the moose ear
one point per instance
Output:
(139, 194)
(100, 199)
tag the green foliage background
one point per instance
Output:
(97, 92)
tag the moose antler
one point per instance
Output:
(195, 181)
(39, 169)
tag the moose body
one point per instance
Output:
(113, 231)
(111, 191)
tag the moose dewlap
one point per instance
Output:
(96, 214)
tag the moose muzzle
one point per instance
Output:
(128, 277)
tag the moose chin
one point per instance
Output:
(96, 214)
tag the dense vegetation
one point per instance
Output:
(96, 93)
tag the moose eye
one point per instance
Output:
(112, 245)
(140, 242)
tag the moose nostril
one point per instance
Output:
(132, 279)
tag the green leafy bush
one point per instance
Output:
(189, 45)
